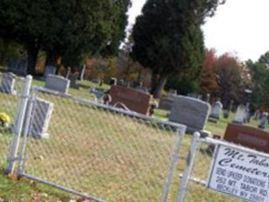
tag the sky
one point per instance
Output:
(240, 27)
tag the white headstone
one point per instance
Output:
(49, 70)
(57, 83)
(216, 110)
(40, 118)
(172, 92)
(240, 115)
(8, 83)
(263, 120)
(191, 112)
(41, 115)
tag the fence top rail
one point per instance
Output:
(209, 140)
(181, 128)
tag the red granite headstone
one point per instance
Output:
(247, 136)
(134, 100)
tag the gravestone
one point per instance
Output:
(167, 102)
(258, 114)
(99, 93)
(73, 80)
(18, 66)
(216, 110)
(207, 99)
(247, 136)
(240, 115)
(96, 80)
(191, 112)
(172, 92)
(263, 120)
(141, 88)
(41, 115)
(49, 70)
(57, 83)
(8, 83)
(113, 81)
(134, 100)
(121, 82)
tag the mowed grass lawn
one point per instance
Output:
(105, 154)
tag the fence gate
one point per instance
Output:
(98, 152)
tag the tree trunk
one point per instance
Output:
(158, 91)
(157, 84)
(52, 59)
(32, 53)
(4, 55)
(154, 83)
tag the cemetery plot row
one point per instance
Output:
(96, 149)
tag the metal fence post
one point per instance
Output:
(174, 160)
(13, 157)
(26, 130)
(188, 169)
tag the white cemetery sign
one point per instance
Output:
(239, 173)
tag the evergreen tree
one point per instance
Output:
(168, 38)
(66, 28)
(260, 81)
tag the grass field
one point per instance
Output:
(92, 150)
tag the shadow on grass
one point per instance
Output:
(24, 190)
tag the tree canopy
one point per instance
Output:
(260, 81)
(168, 38)
(68, 28)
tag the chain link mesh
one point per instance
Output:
(10, 95)
(104, 152)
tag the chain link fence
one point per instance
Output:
(102, 153)
(95, 151)
(11, 87)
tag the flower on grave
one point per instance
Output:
(4, 119)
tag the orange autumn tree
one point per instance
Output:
(208, 81)
(232, 79)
